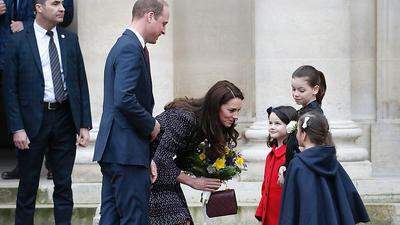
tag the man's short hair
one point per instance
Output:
(42, 2)
(142, 7)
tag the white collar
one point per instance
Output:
(40, 30)
(141, 39)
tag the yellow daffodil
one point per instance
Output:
(202, 156)
(239, 161)
(219, 163)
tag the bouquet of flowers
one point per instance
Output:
(206, 163)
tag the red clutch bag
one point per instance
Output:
(222, 203)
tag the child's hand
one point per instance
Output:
(281, 177)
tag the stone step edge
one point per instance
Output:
(46, 206)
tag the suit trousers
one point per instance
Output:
(56, 139)
(125, 194)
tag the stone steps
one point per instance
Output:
(82, 214)
(86, 200)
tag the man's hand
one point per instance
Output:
(155, 131)
(3, 8)
(21, 140)
(83, 138)
(16, 26)
(153, 171)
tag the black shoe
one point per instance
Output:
(49, 175)
(11, 175)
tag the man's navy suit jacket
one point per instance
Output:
(126, 123)
(25, 14)
(24, 82)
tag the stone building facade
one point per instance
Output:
(257, 44)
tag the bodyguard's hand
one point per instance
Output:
(3, 8)
(153, 171)
(83, 138)
(155, 131)
(205, 184)
(16, 26)
(21, 140)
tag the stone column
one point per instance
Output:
(97, 34)
(211, 44)
(385, 135)
(363, 66)
(289, 34)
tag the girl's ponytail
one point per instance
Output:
(292, 147)
(322, 87)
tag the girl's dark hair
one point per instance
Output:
(207, 111)
(314, 77)
(317, 128)
(284, 113)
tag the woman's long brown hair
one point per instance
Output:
(207, 111)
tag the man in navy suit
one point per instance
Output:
(69, 13)
(14, 16)
(127, 126)
(48, 109)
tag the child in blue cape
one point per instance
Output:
(317, 189)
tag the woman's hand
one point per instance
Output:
(153, 172)
(205, 184)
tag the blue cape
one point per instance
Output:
(318, 191)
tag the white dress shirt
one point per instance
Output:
(43, 45)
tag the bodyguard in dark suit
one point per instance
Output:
(47, 102)
(69, 13)
(21, 12)
(127, 125)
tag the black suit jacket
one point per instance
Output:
(25, 14)
(24, 83)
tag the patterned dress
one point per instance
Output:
(177, 136)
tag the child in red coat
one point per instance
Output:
(270, 203)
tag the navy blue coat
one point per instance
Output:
(24, 83)
(69, 13)
(126, 123)
(318, 191)
(25, 14)
(313, 106)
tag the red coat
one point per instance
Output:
(270, 203)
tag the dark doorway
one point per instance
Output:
(4, 136)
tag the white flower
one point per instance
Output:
(211, 169)
(292, 126)
(281, 177)
(306, 119)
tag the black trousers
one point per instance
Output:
(56, 139)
